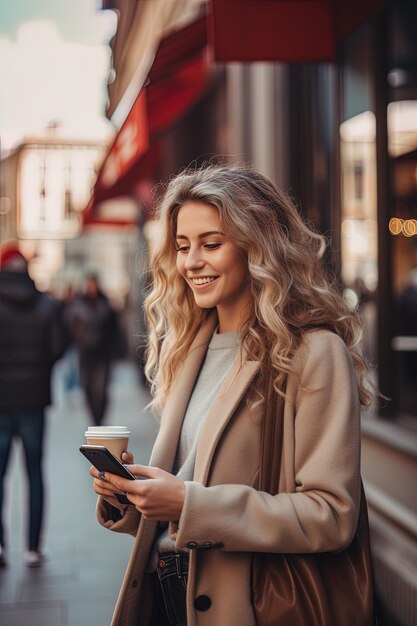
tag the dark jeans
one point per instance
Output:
(94, 377)
(29, 426)
(170, 590)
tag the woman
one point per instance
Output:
(239, 298)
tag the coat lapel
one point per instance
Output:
(221, 410)
(165, 448)
(224, 405)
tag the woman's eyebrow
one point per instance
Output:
(209, 232)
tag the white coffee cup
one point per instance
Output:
(115, 438)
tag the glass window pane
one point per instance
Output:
(402, 138)
(359, 221)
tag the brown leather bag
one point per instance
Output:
(321, 589)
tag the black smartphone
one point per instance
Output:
(105, 461)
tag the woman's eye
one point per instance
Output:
(208, 246)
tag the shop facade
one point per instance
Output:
(353, 165)
(326, 108)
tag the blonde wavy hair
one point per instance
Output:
(291, 292)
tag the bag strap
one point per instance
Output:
(271, 440)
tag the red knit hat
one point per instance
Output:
(9, 252)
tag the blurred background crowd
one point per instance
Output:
(103, 101)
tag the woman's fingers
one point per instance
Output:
(127, 457)
(144, 471)
(101, 485)
(159, 496)
(105, 489)
(119, 484)
(102, 489)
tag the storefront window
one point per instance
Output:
(402, 137)
(359, 221)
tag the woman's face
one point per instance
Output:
(211, 264)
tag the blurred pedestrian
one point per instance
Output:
(96, 334)
(31, 340)
(70, 366)
(249, 511)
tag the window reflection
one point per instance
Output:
(359, 221)
(402, 138)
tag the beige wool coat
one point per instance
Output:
(225, 518)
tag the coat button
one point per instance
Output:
(208, 545)
(218, 545)
(202, 603)
(135, 584)
(191, 545)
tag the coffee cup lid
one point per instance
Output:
(107, 431)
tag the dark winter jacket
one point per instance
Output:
(31, 340)
(94, 329)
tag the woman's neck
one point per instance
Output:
(233, 317)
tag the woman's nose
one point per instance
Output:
(194, 260)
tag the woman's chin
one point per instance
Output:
(204, 302)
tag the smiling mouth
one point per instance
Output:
(206, 280)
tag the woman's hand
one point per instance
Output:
(104, 489)
(160, 497)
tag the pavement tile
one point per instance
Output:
(73, 591)
(9, 587)
(51, 571)
(34, 614)
(91, 611)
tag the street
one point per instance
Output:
(79, 582)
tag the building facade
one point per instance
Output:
(330, 114)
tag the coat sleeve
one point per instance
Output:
(111, 518)
(321, 515)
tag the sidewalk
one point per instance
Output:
(78, 584)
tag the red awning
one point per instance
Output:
(284, 30)
(178, 78)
